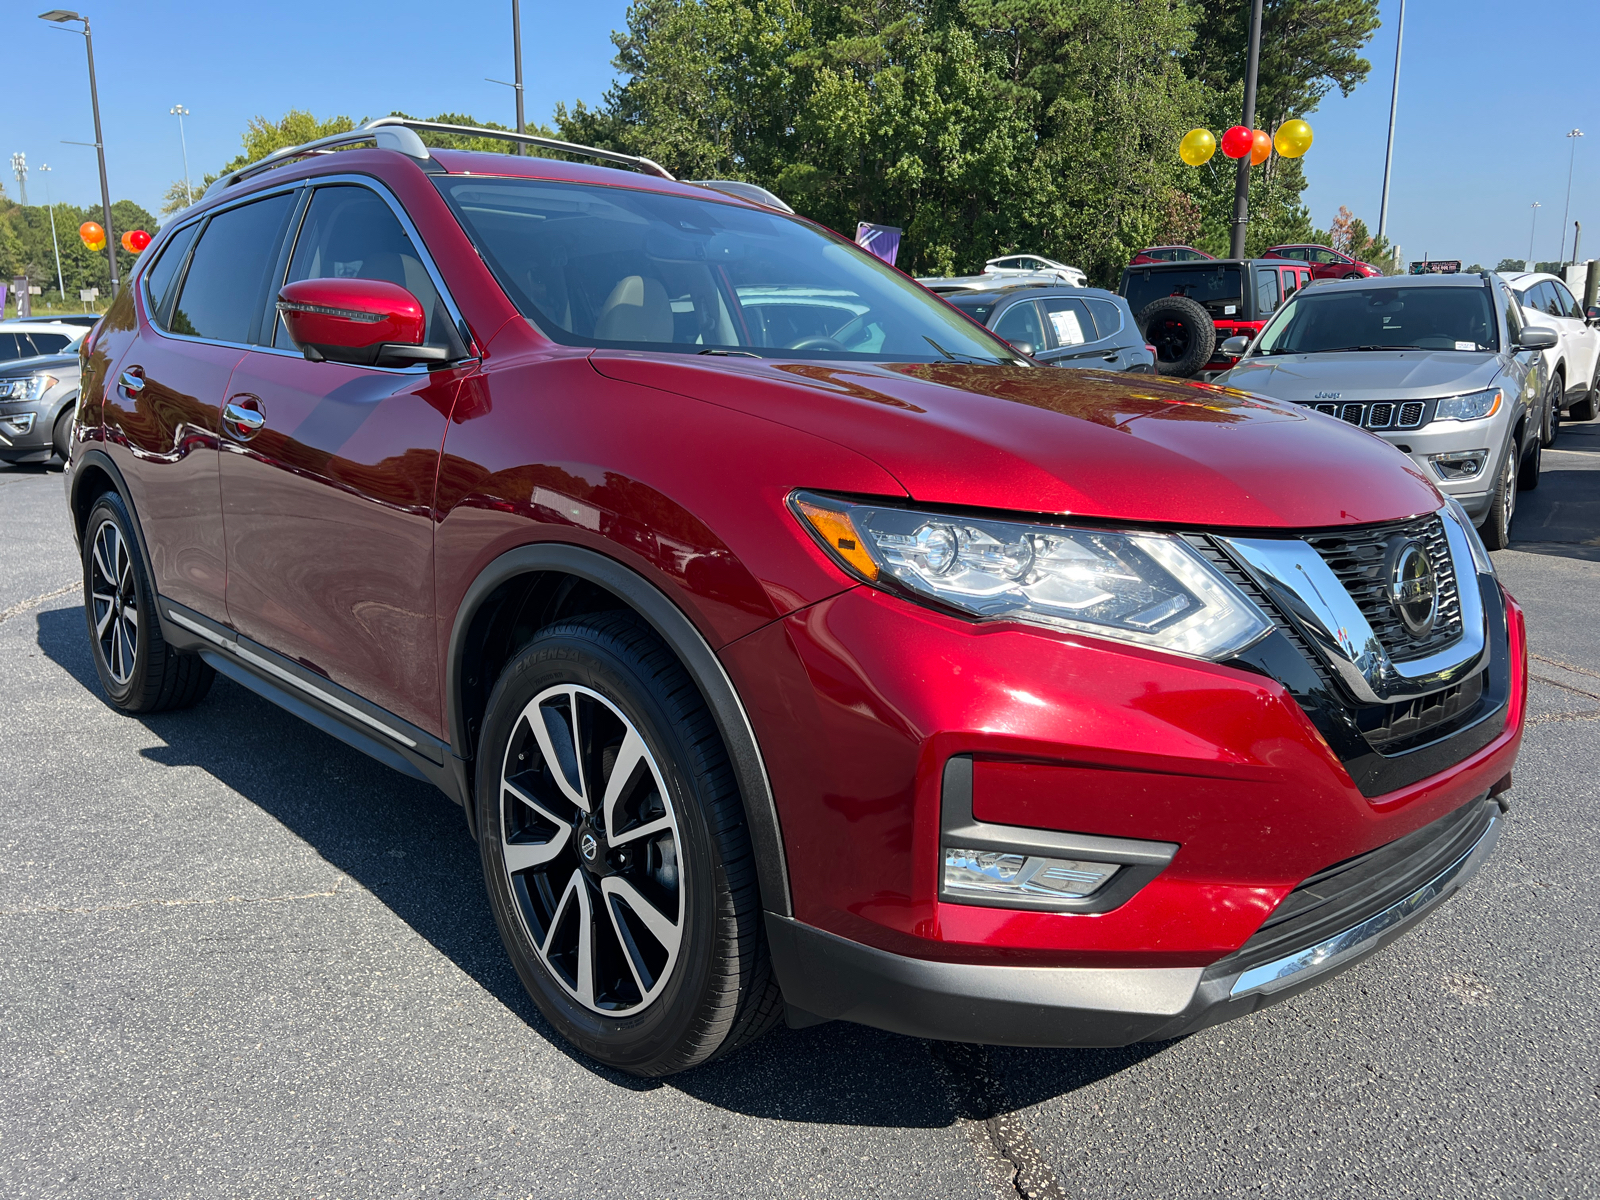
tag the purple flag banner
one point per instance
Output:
(882, 240)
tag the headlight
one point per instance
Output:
(1469, 408)
(1151, 589)
(30, 388)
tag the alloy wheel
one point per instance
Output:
(1508, 485)
(116, 602)
(590, 846)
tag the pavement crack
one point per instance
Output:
(1565, 666)
(1566, 687)
(979, 1097)
(182, 903)
(1543, 718)
(16, 610)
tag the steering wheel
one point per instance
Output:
(819, 341)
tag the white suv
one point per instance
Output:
(1572, 365)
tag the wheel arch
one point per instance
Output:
(532, 586)
(93, 475)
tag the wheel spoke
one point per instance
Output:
(622, 771)
(544, 736)
(526, 797)
(645, 830)
(104, 621)
(106, 572)
(662, 928)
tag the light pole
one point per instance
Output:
(1394, 103)
(1534, 224)
(1241, 186)
(516, 51)
(61, 16)
(44, 169)
(19, 167)
(181, 112)
(1566, 211)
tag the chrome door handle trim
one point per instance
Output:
(132, 383)
(242, 423)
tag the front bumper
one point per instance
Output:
(827, 977)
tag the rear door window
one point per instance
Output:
(223, 289)
(349, 232)
(1068, 322)
(1020, 323)
(1566, 304)
(1267, 293)
(159, 278)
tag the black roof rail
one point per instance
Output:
(400, 133)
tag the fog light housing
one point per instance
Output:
(1458, 465)
(998, 875)
(18, 423)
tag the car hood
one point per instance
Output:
(1087, 443)
(1372, 375)
(56, 364)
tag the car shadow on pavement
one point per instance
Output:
(408, 845)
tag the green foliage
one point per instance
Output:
(263, 136)
(1512, 264)
(25, 245)
(1349, 234)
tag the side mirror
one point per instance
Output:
(1536, 337)
(365, 322)
(1592, 315)
(1234, 347)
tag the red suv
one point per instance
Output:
(1326, 262)
(794, 647)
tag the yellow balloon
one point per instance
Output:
(1292, 139)
(1197, 147)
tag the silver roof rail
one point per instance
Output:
(400, 133)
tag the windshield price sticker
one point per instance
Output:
(1068, 331)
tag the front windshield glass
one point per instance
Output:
(1216, 288)
(626, 268)
(1325, 320)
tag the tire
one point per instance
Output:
(1584, 410)
(1496, 527)
(1532, 463)
(1551, 426)
(138, 670)
(1353, 275)
(1182, 332)
(61, 436)
(583, 900)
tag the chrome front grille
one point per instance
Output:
(1358, 558)
(1380, 414)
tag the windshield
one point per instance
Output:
(615, 266)
(1320, 321)
(1217, 288)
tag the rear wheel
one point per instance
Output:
(61, 436)
(1182, 332)
(1584, 410)
(615, 852)
(1553, 396)
(1532, 462)
(1496, 527)
(138, 670)
(1354, 275)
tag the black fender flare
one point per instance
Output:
(92, 456)
(680, 634)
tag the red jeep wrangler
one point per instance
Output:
(1188, 309)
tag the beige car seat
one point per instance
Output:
(636, 311)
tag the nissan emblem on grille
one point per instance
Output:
(1413, 587)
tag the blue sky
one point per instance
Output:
(1486, 95)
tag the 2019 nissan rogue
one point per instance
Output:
(794, 648)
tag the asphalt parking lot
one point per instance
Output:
(241, 959)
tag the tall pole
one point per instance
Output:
(1566, 211)
(100, 153)
(1241, 187)
(181, 112)
(19, 167)
(516, 50)
(44, 169)
(1394, 103)
(1534, 224)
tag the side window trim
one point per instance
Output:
(267, 318)
(159, 307)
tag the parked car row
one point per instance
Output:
(38, 387)
(796, 648)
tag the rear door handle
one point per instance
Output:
(242, 417)
(132, 382)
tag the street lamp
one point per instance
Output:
(1241, 183)
(1531, 227)
(1394, 103)
(61, 16)
(44, 169)
(516, 53)
(1567, 210)
(181, 112)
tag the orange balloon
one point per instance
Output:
(1260, 146)
(135, 240)
(93, 235)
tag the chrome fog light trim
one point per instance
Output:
(1458, 465)
(996, 875)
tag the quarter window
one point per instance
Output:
(350, 233)
(1107, 317)
(158, 279)
(222, 290)
(1565, 304)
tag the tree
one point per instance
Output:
(1348, 234)
(176, 197)
(1512, 264)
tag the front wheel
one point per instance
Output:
(1496, 527)
(138, 670)
(1584, 410)
(1355, 275)
(1551, 425)
(615, 851)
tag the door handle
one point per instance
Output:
(1113, 356)
(242, 417)
(132, 382)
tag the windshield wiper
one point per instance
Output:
(728, 353)
(1343, 349)
(971, 359)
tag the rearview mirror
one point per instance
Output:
(1536, 337)
(364, 322)
(1235, 346)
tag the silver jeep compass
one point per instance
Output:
(1441, 366)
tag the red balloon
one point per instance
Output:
(1260, 147)
(135, 240)
(1237, 142)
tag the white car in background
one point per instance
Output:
(1572, 365)
(1011, 270)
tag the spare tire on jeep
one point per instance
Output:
(1182, 333)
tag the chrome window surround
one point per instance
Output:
(1305, 588)
(315, 181)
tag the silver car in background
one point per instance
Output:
(1440, 366)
